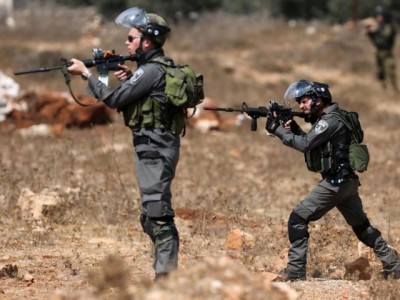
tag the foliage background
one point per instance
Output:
(225, 180)
(330, 10)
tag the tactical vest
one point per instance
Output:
(384, 38)
(183, 89)
(152, 113)
(149, 113)
(330, 157)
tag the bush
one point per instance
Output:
(330, 10)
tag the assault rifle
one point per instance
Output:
(104, 61)
(282, 113)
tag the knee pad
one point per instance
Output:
(165, 232)
(366, 233)
(147, 226)
(161, 230)
(297, 227)
(142, 219)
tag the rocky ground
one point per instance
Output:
(89, 245)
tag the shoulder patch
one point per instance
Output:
(321, 126)
(138, 73)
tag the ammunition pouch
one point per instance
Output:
(153, 113)
(320, 159)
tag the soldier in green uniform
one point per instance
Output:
(326, 149)
(141, 98)
(383, 37)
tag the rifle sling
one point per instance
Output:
(67, 79)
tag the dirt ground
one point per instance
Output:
(91, 246)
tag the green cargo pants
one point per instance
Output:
(386, 68)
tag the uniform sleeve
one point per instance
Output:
(142, 83)
(320, 133)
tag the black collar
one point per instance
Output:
(149, 55)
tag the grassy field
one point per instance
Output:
(91, 246)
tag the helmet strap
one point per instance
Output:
(139, 50)
(314, 106)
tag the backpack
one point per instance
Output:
(358, 152)
(184, 87)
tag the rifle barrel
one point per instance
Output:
(38, 70)
(89, 63)
(227, 109)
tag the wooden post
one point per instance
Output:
(354, 10)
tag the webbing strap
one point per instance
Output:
(345, 122)
(67, 79)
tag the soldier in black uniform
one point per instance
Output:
(326, 145)
(141, 98)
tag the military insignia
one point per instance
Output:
(321, 126)
(135, 77)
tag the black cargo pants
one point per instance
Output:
(315, 205)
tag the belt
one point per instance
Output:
(141, 140)
(337, 179)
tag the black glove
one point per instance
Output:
(294, 127)
(272, 124)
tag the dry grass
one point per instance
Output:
(225, 180)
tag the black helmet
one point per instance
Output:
(150, 25)
(379, 10)
(304, 87)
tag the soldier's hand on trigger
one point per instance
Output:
(291, 126)
(123, 73)
(287, 125)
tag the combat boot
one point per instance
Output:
(289, 275)
(395, 274)
(389, 258)
(158, 276)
